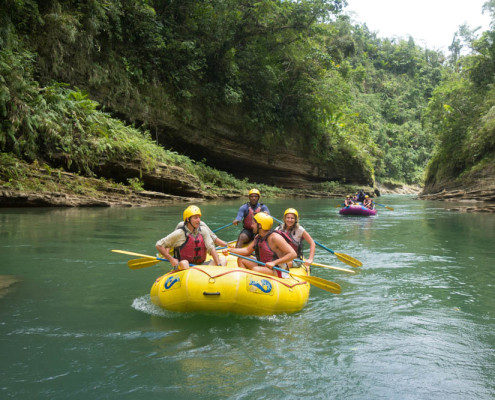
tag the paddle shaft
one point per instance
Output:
(144, 256)
(321, 283)
(342, 257)
(383, 205)
(326, 266)
(223, 227)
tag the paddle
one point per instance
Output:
(143, 263)
(387, 207)
(326, 266)
(146, 261)
(321, 283)
(341, 256)
(223, 227)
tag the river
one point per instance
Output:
(416, 322)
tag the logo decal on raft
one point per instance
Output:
(171, 280)
(263, 285)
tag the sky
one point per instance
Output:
(432, 23)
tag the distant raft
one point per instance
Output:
(356, 209)
(205, 288)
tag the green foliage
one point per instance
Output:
(298, 75)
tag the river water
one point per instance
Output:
(416, 322)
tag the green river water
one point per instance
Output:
(416, 322)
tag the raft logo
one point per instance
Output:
(259, 285)
(171, 281)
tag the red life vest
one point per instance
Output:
(193, 249)
(298, 247)
(262, 249)
(249, 218)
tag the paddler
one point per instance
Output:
(246, 213)
(297, 235)
(190, 243)
(270, 247)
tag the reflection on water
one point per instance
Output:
(415, 322)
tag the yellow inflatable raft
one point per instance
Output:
(205, 288)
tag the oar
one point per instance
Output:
(132, 254)
(223, 227)
(341, 256)
(326, 266)
(146, 261)
(143, 263)
(387, 207)
(321, 283)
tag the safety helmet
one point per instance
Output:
(254, 191)
(292, 211)
(190, 211)
(366, 197)
(265, 220)
(348, 196)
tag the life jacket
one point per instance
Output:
(249, 218)
(262, 249)
(193, 249)
(297, 246)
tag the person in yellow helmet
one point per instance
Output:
(348, 201)
(297, 235)
(190, 243)
(270, 247)
(246, 213)
(368, 202)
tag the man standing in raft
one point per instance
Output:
(246, 213)
(270, 247)
(190, 243)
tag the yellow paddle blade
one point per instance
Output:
(133, 254)
(321, 283)
(141, 263)
(349, 260)
(389, 208)
(332, 267)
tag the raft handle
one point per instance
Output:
(211, 293)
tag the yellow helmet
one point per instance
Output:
(254, 191)
(366, 197)
(348, 196)
(291, 211)
(265, 220)
(190, 211)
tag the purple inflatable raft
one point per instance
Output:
(356, 209)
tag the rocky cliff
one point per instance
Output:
(475, 186)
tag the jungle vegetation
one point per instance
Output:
(85, 80)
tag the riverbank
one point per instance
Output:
(32, 185)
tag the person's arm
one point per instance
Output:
(307, 237)
(243, 251)
(164, 245)
(214, 237)
(280, 246)
(240, 214)
(209, 243)
(264, 208)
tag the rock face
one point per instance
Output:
(478, 186)
(224, 144)
(163, 178)
(64, 189)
